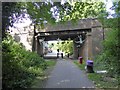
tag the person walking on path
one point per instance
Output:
(61, 55)
(57, 53)
(68, 55)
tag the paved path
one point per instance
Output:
(67, 75)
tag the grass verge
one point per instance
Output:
(50, 63)
(40, 81)
(100, 80)
(81, 66)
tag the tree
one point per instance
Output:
(65, 46)
(40, 12)
(79, 10)
(11, 12)
(110, 54)
(7, 11)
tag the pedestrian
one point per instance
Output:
(68, 55)
(57, 55)
(62, 55)
(57, 50)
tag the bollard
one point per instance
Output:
(80, 60)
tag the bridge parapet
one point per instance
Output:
(80, 24)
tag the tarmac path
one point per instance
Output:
(67, 75)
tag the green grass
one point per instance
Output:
(50, 63)
(100, 80)
(81, 66)
(40, 81)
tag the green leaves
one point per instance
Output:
(20, 66)
(110, 54)
(80, 10)
(39, 12)
(65, 46)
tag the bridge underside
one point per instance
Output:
(63, 34)
(91, 31)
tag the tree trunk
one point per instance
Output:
(34, 40)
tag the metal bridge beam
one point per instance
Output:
(63, 35)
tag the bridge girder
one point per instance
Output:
(63, 34)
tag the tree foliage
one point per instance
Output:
(7, 10)
(39, 12)
(110, 54)
(65, 46)
(79, 10)
(20, 67)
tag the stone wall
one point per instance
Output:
(97, 38)
(93, 44)
(80, 24)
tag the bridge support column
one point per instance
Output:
(39, 47)
(34, 44)
(75, 50)
(89, 46)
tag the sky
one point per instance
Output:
(26, 22)
(108, 6)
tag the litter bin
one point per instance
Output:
(80, 60)
(89, 66)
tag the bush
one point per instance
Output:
(110, 52)
(20, 67)
(109, 55)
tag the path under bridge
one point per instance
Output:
(89, 30)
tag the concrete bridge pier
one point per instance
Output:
(85, 50)
(88, 47)
(37, 46)
(34, 44)
(75, 50)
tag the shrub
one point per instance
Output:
(20, 67)
(109, 56)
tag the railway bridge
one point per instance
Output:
(86, 34)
